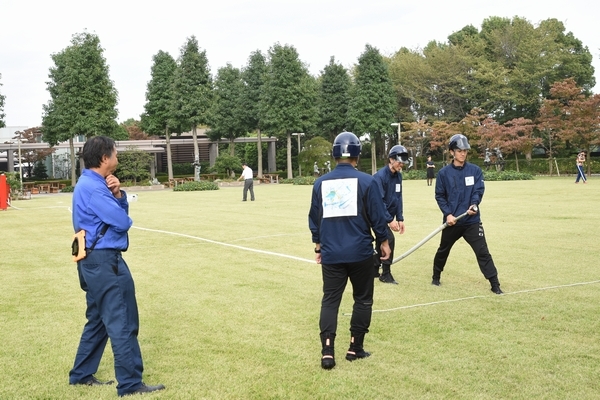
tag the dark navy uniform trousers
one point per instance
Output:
(335, 278)
(111, 313)
(475, 237)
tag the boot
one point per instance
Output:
(495, 285)
(386, 276)
(435, 279)
(328, 354)
(356, 350)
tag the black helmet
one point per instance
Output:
(399, 153)
(459, 141)
(346, 144)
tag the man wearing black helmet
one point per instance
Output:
(389, 180)
(459, 187)
(346, 204)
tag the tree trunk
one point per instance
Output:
(196, 155)
(73, 166)
(289, 155)
(195, 138)
(169, 155)
(231, 147)
(373, 157)
(259, 149)
(517, 161)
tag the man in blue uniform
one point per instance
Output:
(389, 180)
(459, 187)
(346, 204)
(100, 208)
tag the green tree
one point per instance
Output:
(317, 150)
(83, 99)
(158, 110)
(534, 58)
(39, 171)
(2, 114)
(373, 104)
(289, 97)
(334, 98)
(254, 75)
(134, 165)
(192, 92)
(227, 116)
(227, 164)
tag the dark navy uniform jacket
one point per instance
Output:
(390, 186)
(457, 188)
(93, 205)
(345, 205)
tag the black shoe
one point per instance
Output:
(93, 381)
(355, 355)
(388, 278)
(497, 290)
(327, 362)
(145, 389)
(436, 281)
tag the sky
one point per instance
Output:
(132, 31)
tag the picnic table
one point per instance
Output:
(208, 177)
(30, 187)
(272, 178)
(176, 181)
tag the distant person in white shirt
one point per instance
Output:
(248, 181)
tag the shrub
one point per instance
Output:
(12, 178)
(183, 169)
(506, 176)
(67, 189)
(304, 180)
(193, 186)
(414, 174)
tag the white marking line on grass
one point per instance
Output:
(226, 244)
(480, 297)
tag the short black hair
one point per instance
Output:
(95, 148)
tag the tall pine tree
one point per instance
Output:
(254, 76)
(373, 104)
(158, 111)
(83, 99)
(227, 117)
(192, 92)
(334, 99)
(288, 100)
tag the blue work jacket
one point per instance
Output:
(94, 205)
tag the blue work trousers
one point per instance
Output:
(111, 313)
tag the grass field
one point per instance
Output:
(229, 299)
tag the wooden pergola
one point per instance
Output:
(157, 147)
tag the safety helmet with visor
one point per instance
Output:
(399, 153)
(459, 141)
